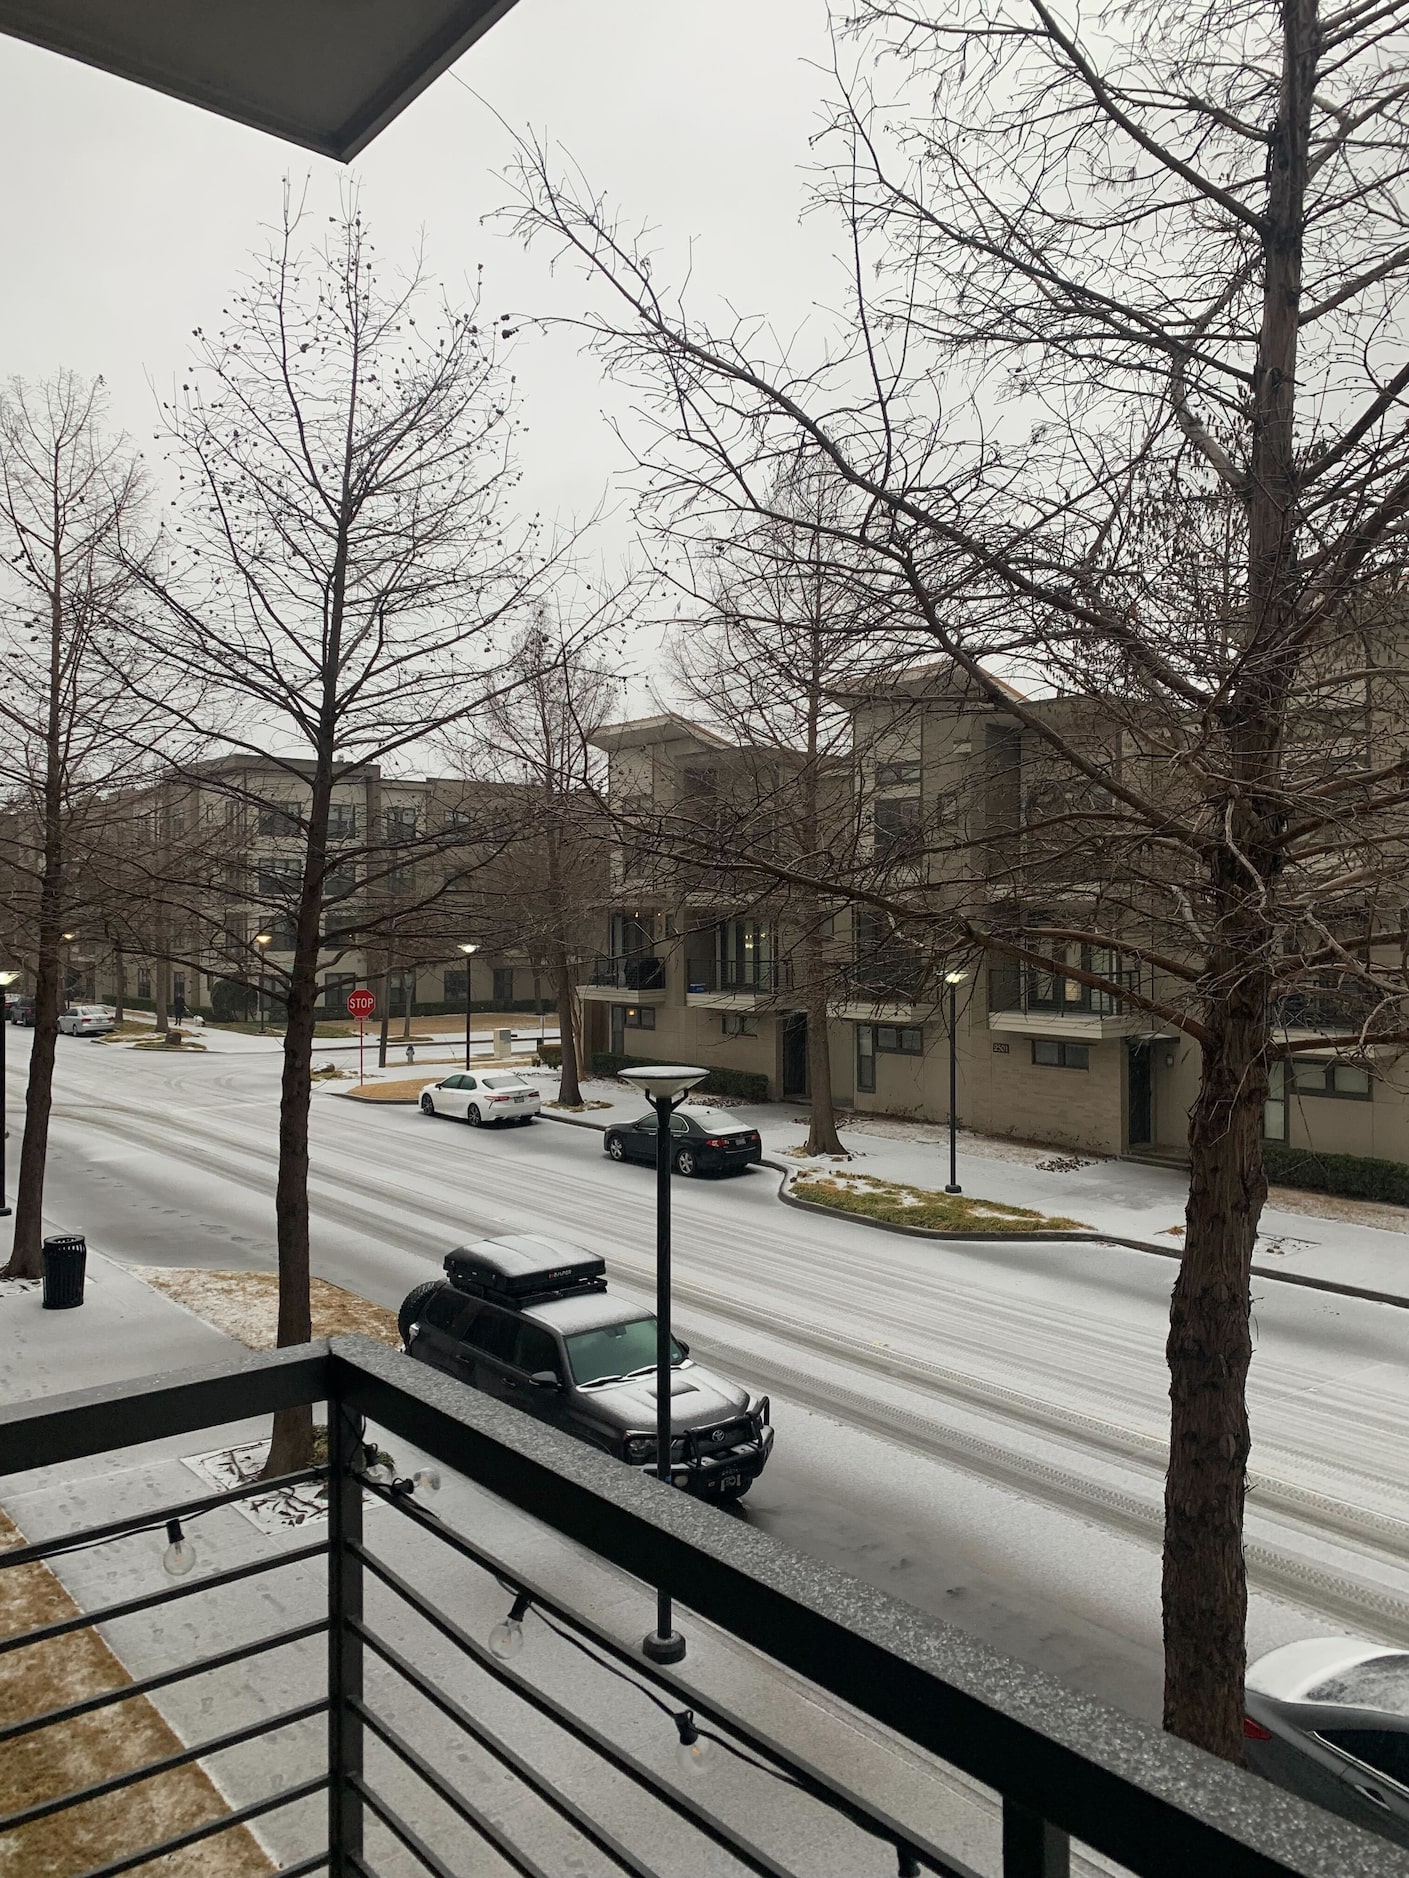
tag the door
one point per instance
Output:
(534, 1351)
(1139, 1097)
(450, 1097)
(794, 1079)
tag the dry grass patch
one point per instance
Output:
(408, 1089)
(901, 1205)
(58, 1760)
(245, 1305)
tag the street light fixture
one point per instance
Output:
(64, 994)
(953, 980)
(6, 980)
(262, 939)
(665, 1087)
(469, 948)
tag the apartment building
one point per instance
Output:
(206, 893)
(690, 971)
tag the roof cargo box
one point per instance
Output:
(524, 1267)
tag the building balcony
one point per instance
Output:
(639, 976)
(389, 1683)
(736, 985)
(883, 989)
(1040, 1004)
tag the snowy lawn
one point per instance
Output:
(902, 1205)
(58, 1760)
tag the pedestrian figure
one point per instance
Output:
(178, 1009)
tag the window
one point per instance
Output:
(342, 821)
(456, 986)
(1057, 1055)
(278, 818)
(534, 1350)
(335, 989)
(1274, 1109)
(735, 1024)
(616, 1350)
(456, 818)
(279, 874)
(338, 882)
(449, 1310)
(639, 1017)
(1386, 1750)
(144, 983)
(873, 1040)
(1320, 1078)
(503, 984)
(401, 824)
(493, 1333)
(889, 775)
(866, 1058)
(897, 822)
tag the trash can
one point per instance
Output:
(65, 1256)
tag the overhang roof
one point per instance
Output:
(328, 74)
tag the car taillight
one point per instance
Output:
(716, 1141)
(1254, 1731)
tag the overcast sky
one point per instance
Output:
(128, 216)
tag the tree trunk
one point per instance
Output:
(39, 1092)
(120, 972)
(410, 982)
(569, 1082)
(161, 983)
(384, 1027)
(822, 1136)
(292, 1445)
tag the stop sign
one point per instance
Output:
(360, 1004)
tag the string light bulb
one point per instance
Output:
(693, 1752)
(180, 1554)
(506, 1638)
(381, 1474)
(426, 1480)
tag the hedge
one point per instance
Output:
(1352, 1176)
(748, 1083)
(550, 1055)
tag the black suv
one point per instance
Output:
(527, 1319)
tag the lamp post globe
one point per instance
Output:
(665, 1086)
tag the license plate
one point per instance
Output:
(731, 1480)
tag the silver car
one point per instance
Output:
(86, 1020)
(1328, 1719)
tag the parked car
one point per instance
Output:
(527, 1319)
(19, 1008)
(487, 1096)
(86, 1020)
(706, 1141)
(1329, 1719)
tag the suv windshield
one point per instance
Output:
(616, 1350)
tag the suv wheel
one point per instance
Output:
(411, 1307)
(685, 1162)
(427, 1105)
(616, 1147)
(473, 1116)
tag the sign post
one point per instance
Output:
(360, 1004)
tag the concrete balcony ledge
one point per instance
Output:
(1075, 1026)
(617, 994)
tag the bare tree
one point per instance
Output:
(344, 548)
(73, 721)
(1143, 265)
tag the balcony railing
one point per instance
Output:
(886, 979)
(744, 977)
(437, 1749)
(634, 971)
(1336, 1010)
(1048, 994)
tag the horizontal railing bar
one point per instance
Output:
(49, 1431)
(748, 1854)
(241, 1816)
(506, 1755)
(462, 1808)
(394, 1824)
(163, 1679)
(45, 1809)
(158, 1517)
(808, 1778)
(211, 1582)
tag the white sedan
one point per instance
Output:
(86, 1020)
(495, 1096)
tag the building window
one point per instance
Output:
(873, 1040)
(144, 982)
(735, 1024)
(335, 989)
(1311, 1077)
(342, 821)
(401, 824)
(896, 820)
(1274, 1109)
(503, 984)
(640, 1017)
(1057, 1055)
(278, 818)
(456, 818)
(893, 775)
(456, 987)
(279, 874)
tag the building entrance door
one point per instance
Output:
(1139, 1097)
(794, 1053)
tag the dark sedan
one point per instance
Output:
(705, 1141)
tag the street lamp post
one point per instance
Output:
(6, 980)
(469, 950)
(665, 1087)
(261, 939)
(66, 971)
(953, 980)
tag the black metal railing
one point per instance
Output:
(740, 977)
(631, 971)
(882, 977)
(1052, 994)
(1061, 1767)
(1335, 1009)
